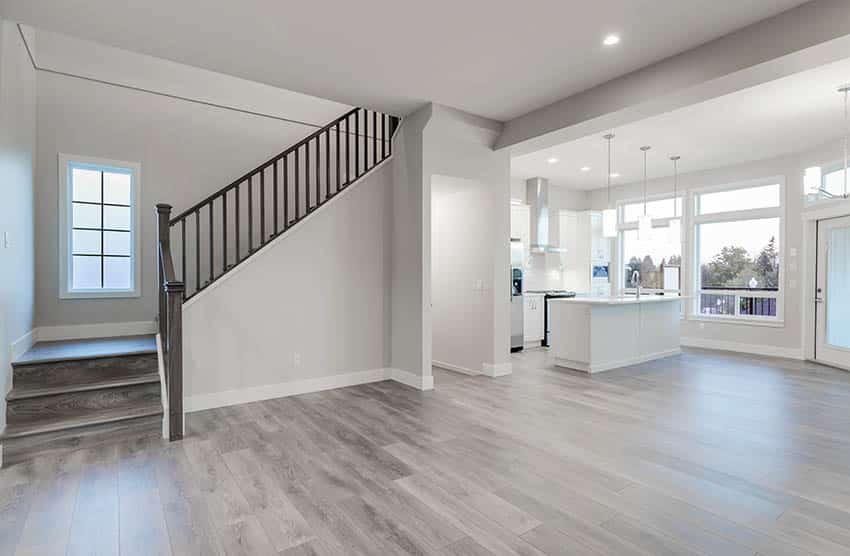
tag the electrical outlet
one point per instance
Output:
(296, 359)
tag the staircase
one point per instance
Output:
(75, 394)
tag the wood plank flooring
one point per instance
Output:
(700, 454)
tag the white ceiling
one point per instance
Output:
(781, 117)
(494, 59)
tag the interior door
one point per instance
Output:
(832, 297)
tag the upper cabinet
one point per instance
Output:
(521, 227)
(588, 255)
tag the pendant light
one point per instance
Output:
(609, 215)
(813, 177)
(675, 231)
(644, 221)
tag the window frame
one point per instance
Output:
(696, 220)
(66, 162)
(623, 226)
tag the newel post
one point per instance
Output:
(174, 359)
(163, 237)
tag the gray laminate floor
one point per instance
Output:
(705, 453)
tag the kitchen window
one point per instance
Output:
(99, 227)
(657, 259)
(738, 242)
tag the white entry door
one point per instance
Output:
(833, 292)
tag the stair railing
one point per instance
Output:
(216, 235)
(171, 293)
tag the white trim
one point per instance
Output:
(587, 368)
(454, 368)
(497, 369)
(283, 237)
(100, 330)
(420, 382)
(163, 394)
(770, 322)
(211, 400)
(752, 349)
(65, 218)
(21, 345)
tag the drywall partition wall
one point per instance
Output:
(17, 148)
(460, 267)
(306, 313)
(459, 145)
(187, 150)
(784, 340)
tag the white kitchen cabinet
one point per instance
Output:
(581, 235)
(533, 307)
(521, 228)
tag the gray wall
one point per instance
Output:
(187, 151)
(17, 146)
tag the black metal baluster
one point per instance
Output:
(183, 249)
(327, 165)
(318, 172)
(383, 136)
(197, 250)
(211, 241)
(347, 150)
(336, 185)
(262, 207)
(224, 233)
(238, 229)
(285, 192)
(307, 176)
(297, 194)
(250, 214)
(274, 175)
(357, 144)
(374, 137)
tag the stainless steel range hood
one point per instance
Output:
(537, 196)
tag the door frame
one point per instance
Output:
(835, 209)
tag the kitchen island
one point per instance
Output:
(594, 334)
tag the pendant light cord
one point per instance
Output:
(846, 133)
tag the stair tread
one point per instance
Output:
(24, 390)
(94, 417)
(70, 350)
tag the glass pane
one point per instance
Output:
(86, 273)
(116, 188)
(116, 273)
(834, 182)
(661, 208)
(116, 243)
(116, 218)
(86, 216)
(85, 185)
(658, 261)
(838, 289)
(765, 196)
(757, 306)
(713, 304)
(742, 254)
(85, 241)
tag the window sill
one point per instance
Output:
(107, 294)
(772, 323)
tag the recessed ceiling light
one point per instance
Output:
(585, 168)
(615, 175)
(611, 40)
(553, 160)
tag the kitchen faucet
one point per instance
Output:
(636, 282)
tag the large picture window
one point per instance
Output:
(658, 259)
(99, 227)
(738, 246)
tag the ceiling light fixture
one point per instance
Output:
(675, 230)
(585, 168)
(609, 215)
(611, 40)
(644, 221)
(813, 177)
(552, 160)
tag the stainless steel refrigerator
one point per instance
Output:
(517, 323)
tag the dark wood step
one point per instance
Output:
(73, 409)
(44, 379)
(93, 348)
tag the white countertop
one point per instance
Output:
(617, 300)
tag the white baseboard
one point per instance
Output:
(455, 368)
(752, 349)
(420, 382)
(497, 369)
(22, 344)
(100, 330)
(199, 402)
(610, 365)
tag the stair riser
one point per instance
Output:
(87, 370)
(71, 405)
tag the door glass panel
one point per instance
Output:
(838, 289)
